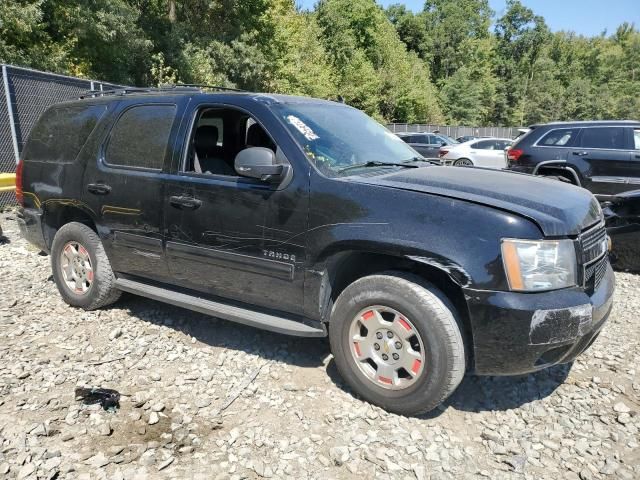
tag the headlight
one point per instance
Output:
(539, 265)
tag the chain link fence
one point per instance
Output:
(24, 95)
(455, 131)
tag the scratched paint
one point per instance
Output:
(560, 325)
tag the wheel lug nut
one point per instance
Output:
(398, 345)
(379, 335)
(390, 334)
(396, 356)
(376, 346)
(385, 356)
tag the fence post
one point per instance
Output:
(12, 120)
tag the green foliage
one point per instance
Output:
(445, 62)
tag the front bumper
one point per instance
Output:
(30, 224)
(517, 333)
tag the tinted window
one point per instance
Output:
(419, 139)
(562, 137)
(61, 132)
(485, 145)
(603, 137)
(140, 137)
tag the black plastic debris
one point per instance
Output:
(109, 399)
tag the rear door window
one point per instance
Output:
(608, 138)
(61, 132)
(636, 139)
(485, 145)
(561, 137)
(140, 137)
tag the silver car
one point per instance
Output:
(482, 152)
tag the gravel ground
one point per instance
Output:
(205, 399)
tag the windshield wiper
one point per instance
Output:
(422, 159)
(375, 164)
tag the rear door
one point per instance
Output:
(487, 153)
(124, 187)
(606, 158)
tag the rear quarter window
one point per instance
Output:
(140, 137)
(560, 137)
(61, 132)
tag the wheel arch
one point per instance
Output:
(558, 167)
(58, 213)
(344, 268)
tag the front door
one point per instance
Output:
(124, 188)
(607, 153)
(229, 236)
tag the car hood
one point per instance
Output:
(559, 209)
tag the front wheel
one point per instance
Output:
(397, 343)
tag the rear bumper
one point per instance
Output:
(30, 224)
(517, 333)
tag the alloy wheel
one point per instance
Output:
(387, 347)
(77, 271)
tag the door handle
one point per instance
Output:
(184, 202)
(581, 154)
(98, 188)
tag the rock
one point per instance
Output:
(202, 402)
(157, 407)
(621, 408)
(26, 471)
(97, 461)
(103, 429)
(115, 333)
(517, 462)
(339, 455)
(165, 463)
(4, 468)
(153, 418)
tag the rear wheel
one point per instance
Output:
(81, 268)
(463, 162)
(397, 343)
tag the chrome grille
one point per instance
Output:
(592, 243)
(594, 255)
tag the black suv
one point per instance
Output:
(602, 156)
(306, 217)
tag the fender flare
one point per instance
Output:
(559, 164)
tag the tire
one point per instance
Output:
(463, 162)
(432, 316)
(100, 290)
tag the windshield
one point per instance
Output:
(336, 136)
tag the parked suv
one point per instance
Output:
(306, 217)
(602, 156)
(427, 144)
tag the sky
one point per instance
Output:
(586, 17)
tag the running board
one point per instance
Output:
(252, 318)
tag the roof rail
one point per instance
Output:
(180, 87)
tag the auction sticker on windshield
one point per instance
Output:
(302, 127)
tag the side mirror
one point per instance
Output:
(258, 162)
(443, 144)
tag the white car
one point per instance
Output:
(481, 152)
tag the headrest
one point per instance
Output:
(257, 137)
(206, 139)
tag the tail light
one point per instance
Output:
(513, 154)
(19, 191)
(443, 152)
